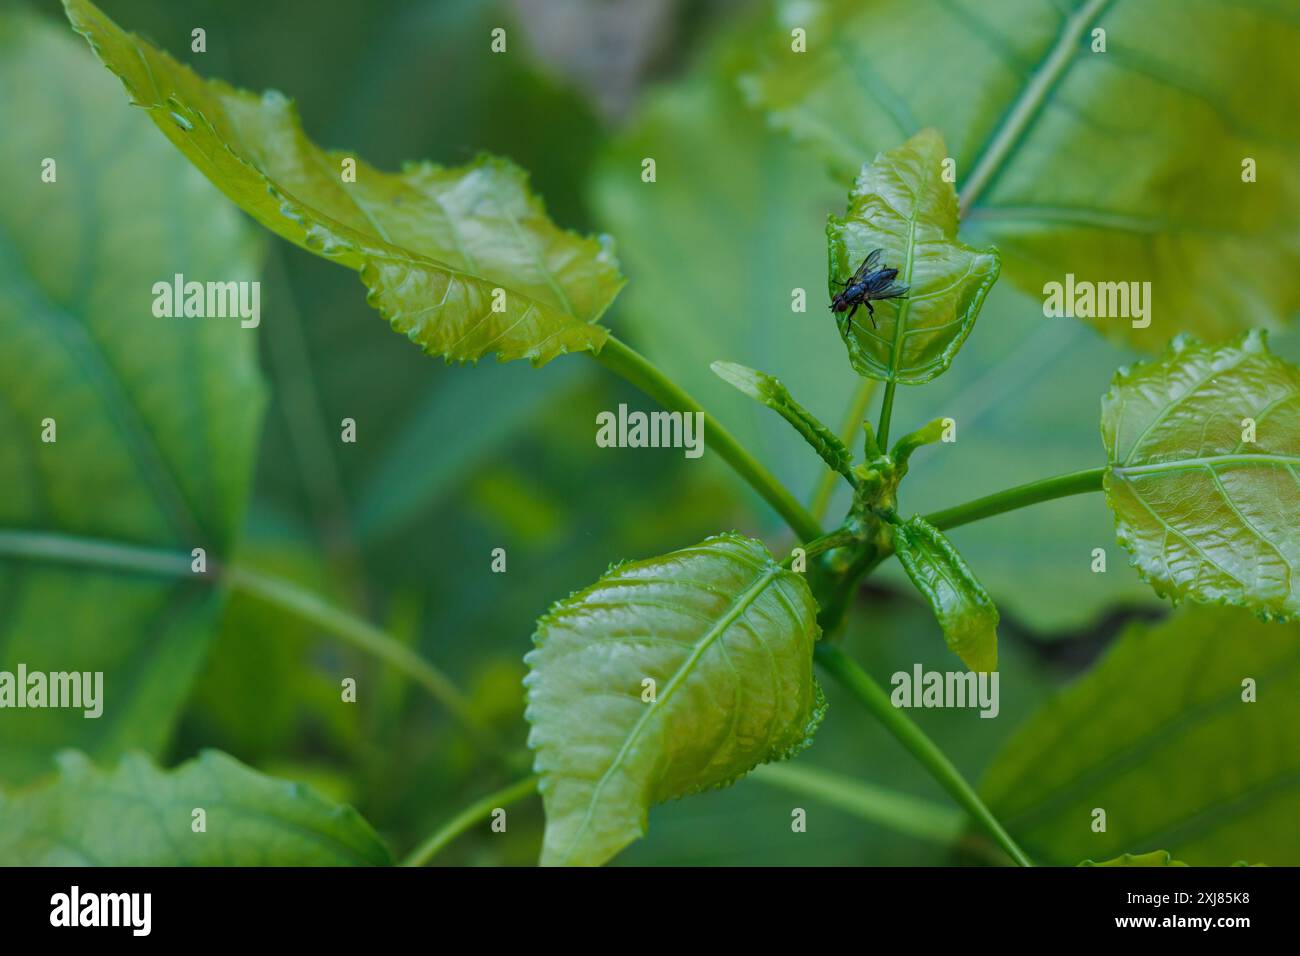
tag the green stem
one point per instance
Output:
(639, 371)
(872, 696)
(900, 812)
(310, 607)
(474, 813)
(821, 498)
(886, 412)
(119, 557)
(1045, 489)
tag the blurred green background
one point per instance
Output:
(453, 462)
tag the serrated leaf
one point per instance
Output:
(1206, 514)
(770, 392)
(140, 815)
(901, 204)
(436, 247)
(1164, 737)
(1154, 858)
(1122, 165)
(960, 603)
(727, 636)
(156, 419)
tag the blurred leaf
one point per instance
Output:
(1158, 735)
(139, 815)
(962, 606)
(157, 419)
(262, 654)
(1202, 447)
(1118, 165)
(716, 279)
(435, 246)
(1154, 858)
(901, 204)
(726, 635)
(770, 392)
(1023, 400)
(435, 450)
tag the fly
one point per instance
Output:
(870, 282)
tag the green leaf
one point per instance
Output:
(770, 392)
(156, 419)
(902, 205)
(139, 815)
(725, 633)
(905, 446)
(435, 246)
(1206, 513)
(1154, 858)
(960, 603)
(1117, 166)
(1164, 737)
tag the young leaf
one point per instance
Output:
(120, 429)
(1203, 447)
(139, 815)
(1154, 858)
(925, 435)
(464, 262)
(961, 605)
(768, 390)
(666, 677)
(901, 204)
(1114, 140)
(1186, 734)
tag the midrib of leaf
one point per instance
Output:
(1025, 110)
(900, 326)
(1121, 760)
(1189, 464)
(738, 607)
(1214, 817)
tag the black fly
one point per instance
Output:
(868, 283)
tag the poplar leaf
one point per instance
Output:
(901, 205)
(1202, 448)
(726, 635)
(463, 261)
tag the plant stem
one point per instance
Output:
(886, 412)
(639, 371)
(472, 814)
(310, 607)
(821, 498)
(900, 812)
(872, 696)
(134, 559)
(1045, 489)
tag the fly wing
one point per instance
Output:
(869, 265)
(891, 290)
